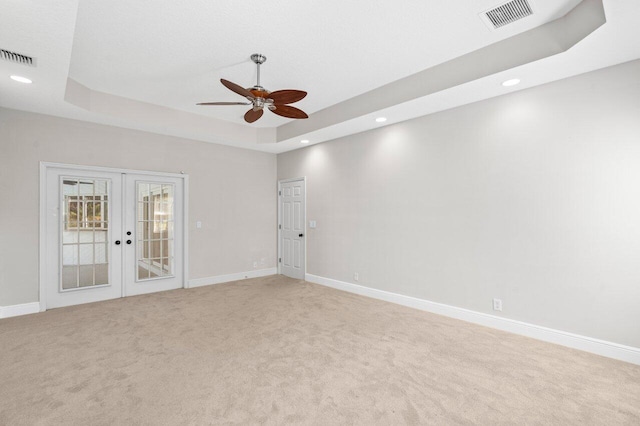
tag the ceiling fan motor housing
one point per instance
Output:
(259, 92)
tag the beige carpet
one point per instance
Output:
(279, 351)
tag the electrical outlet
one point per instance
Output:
(356, 276)
(255, 264)
(497, 305)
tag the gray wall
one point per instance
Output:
(532, 197)
(233, 193)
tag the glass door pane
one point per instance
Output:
(84, 230)
(154, 230)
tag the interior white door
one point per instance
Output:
(82, 237)
(292, 228)
(153, 234)
(110, 234)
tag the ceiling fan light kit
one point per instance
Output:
(259, 97)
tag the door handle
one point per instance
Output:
(117, 242)
(300, 235)
(128, 241)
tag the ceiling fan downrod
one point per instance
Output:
(258, 59)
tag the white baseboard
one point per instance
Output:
(219, 279)
(16, 310)
(34, 307)
(575, 341)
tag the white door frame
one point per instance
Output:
(42, 258)
(304, 241)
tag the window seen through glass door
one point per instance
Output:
(85, 225)
(154, 245)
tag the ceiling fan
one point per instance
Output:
(259, 97)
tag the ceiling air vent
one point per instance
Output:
(18, 58)
(507, 13)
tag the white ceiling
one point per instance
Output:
(164, 56)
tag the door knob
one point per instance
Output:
(117, 242)
(300, 235)
(128, 232)
(128, 241)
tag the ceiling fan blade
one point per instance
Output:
(224, 103)
(252, 115)
(288, 111)
(237, 88)
(287, 96)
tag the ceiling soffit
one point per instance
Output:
(547, 40)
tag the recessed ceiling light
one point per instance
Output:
(20, 79)
(304, 141)
(381, 119)
(511, 82)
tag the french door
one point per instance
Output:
(111, 234)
